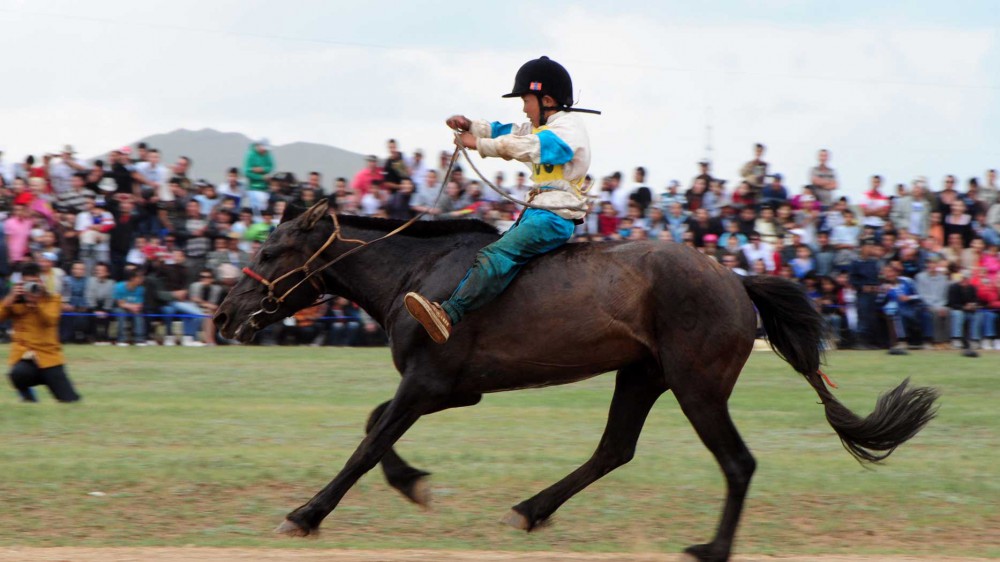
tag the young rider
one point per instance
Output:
(556, 148)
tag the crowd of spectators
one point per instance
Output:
(130, 241)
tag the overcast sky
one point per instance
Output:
(903, 88)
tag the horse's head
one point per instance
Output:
(276, 283)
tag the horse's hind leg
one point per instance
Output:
(709, 414)
(410, 481)
(636, 389)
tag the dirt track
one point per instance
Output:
(72, 554)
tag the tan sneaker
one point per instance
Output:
(430, 315)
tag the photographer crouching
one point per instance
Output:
(35, 352)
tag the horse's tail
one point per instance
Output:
(795, 330)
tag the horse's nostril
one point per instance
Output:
(220, 319)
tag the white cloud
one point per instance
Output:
(881, 99)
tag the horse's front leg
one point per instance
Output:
(411, 402)
(410, 481)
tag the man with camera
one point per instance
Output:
(35, 353)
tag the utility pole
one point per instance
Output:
(708, 134)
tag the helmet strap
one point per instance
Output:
(542, 110)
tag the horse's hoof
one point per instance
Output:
(703, 553)
(291, 529)
(516, 520)
(420, 493)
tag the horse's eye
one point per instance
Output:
(265, 256)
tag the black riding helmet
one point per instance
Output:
(545, 77)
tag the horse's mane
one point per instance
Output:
(419, 229)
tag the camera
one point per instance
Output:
(30, 288)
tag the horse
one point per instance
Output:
(662, 315)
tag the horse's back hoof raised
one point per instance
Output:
(420, 493)
(291, 529)
(516, 520)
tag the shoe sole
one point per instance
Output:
(421, 312)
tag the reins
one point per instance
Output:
(502, 193)
(270, 304)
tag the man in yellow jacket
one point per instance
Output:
(36, 356)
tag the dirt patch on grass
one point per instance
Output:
(158, 554)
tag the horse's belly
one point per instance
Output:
(534, 360)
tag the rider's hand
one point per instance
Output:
(459, 122)
(466, 139)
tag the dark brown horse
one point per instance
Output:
(664, 316)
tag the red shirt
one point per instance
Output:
(362, 182)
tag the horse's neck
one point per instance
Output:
(373, 277)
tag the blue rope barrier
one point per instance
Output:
(144, 315)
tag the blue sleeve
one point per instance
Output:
(117, 293)
(498, 129)
(554, 150)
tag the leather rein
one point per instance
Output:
(270, 303)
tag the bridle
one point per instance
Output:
(270, 303)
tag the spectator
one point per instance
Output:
(62, 172)
(35, 354)
(964, 304)
(206, 294)
(696, 195)
(874, 205)
(731, 262)
(395, 168)
(640, 192)
(767, 226)
(93, 226)
(755, 171)
(774, 192)
(864, 277)
(419, 169)
(153, 177)
(397, 204)
(757, 250)
(823, 180)
(715, 200)
(958, 221)
(180, 177)
(803, 262)
(988, 291)
(129, 297)
(100, 300)
(903, 308)
(911, 212)
(73, 199)
(207, 197)
(363, 181)
(234, 188)
(73, 328)
(257, 165)
(830, 300)
(671, 196)
(121, 236)
(345, 327)
(677, 221)
(704, 172)
(701, 224)
(194, 235)
(17, 230)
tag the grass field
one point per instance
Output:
(212, 447)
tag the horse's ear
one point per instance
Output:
(315, 214)
(291, 211)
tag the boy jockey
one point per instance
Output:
(556, 148)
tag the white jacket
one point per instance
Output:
(558, 154)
